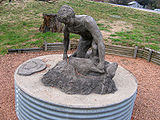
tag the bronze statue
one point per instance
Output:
(85, 71)
(87, 28)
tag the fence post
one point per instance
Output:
(150, 55)
(69, 47)
(45, 46)
(135, 52)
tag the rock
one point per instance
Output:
(80, 76)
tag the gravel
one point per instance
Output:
(147, 105)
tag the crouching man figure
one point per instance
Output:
(87, 28)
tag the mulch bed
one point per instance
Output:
(147, 105)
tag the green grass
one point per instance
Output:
(20, 22)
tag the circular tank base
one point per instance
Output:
(34, 101)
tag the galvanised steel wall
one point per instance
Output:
(30, 108)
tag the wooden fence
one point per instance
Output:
(150, 55)
(120, 50)
(52, 46)
(145, 53)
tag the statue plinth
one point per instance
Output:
(36, 101)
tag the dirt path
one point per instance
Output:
(147, 104)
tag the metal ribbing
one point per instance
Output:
(30, 108)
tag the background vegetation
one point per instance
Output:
(150, 4)
(20, 22)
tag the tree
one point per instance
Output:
(151, 4)
(4, 0)
(144, 2)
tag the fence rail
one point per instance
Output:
(120, 50)
(52, 46)
(145, 53)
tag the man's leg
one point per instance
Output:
(82, 48)
(94, 49)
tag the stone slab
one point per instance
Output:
(31, 66)
(125, 82)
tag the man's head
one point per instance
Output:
(65, 14)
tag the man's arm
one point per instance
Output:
(66, 43)
(92, 27)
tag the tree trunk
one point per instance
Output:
(51, 24)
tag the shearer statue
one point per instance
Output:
(90, 35)
(80, 75)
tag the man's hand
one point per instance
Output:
(65, 57)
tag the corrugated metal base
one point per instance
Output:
(30, 108)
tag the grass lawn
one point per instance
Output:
(20, 22)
